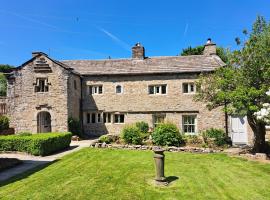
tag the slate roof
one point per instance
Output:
(150, 65)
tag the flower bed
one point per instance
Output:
(37, 144)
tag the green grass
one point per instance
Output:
(122, 174)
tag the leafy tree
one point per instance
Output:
(221, 52)
(6, 68)
(242, 85)
(3, 85)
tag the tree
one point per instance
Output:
(6, 68)
(3, 85)
(221, 52)
(241, 86)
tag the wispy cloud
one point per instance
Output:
(114, 38)
(186, 29)
(37, 21)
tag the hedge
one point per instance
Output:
(41, 144)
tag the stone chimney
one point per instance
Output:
(210, 48)
(138, 51)
(36, 53)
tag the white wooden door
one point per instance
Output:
(239, 130)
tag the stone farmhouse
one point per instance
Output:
(107, 94)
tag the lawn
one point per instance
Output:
(122, 174)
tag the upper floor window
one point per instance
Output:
(118, 89)
(41, 85)
(95, 89)
(157, 89)
(189, 124)
(189, 88)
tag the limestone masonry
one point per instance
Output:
(107, 94)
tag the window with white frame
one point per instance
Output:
(189, 88)
(189, 124)
(41, 85)
(95, 89)
(119, 118)
(157, 89)
(107, 118)
(118, 89)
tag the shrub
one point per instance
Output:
(218, 136)
(74, 126)
(105, 138)
(4, 123)
(142, 126)
(131, 135)
(167, 134)
(108, 138)
(37, 144)
(24, 134)
(193, 140)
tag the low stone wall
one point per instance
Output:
(145, 147)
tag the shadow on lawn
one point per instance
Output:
(171, 179)
(39, 166)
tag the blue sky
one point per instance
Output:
(96, 29)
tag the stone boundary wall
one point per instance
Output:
(145, 147)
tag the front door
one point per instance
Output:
(239, 130)
(43, 122)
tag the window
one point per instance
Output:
(95, 89)
(158, 118)
(75, 84)
(41, 85)
(107, 117)
(88, 118)
(118, 89)
(188, 88)
(157, 89)
(93, 118)
(119, 118)
(189, 124)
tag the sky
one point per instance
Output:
(98, 29)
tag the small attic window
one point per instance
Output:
(41, 85)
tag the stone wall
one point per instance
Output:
(138, 105)
(74, 96)
(25, 103)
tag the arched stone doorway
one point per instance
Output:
(44, 122)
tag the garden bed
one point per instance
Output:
(147, 147)
(6, 163)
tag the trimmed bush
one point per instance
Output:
(74, 126)
(131, 135)
(143, 126)
(4, 122)
(167, 134)
(217, 135)
(37, 144)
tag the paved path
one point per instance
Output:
(30, 161)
